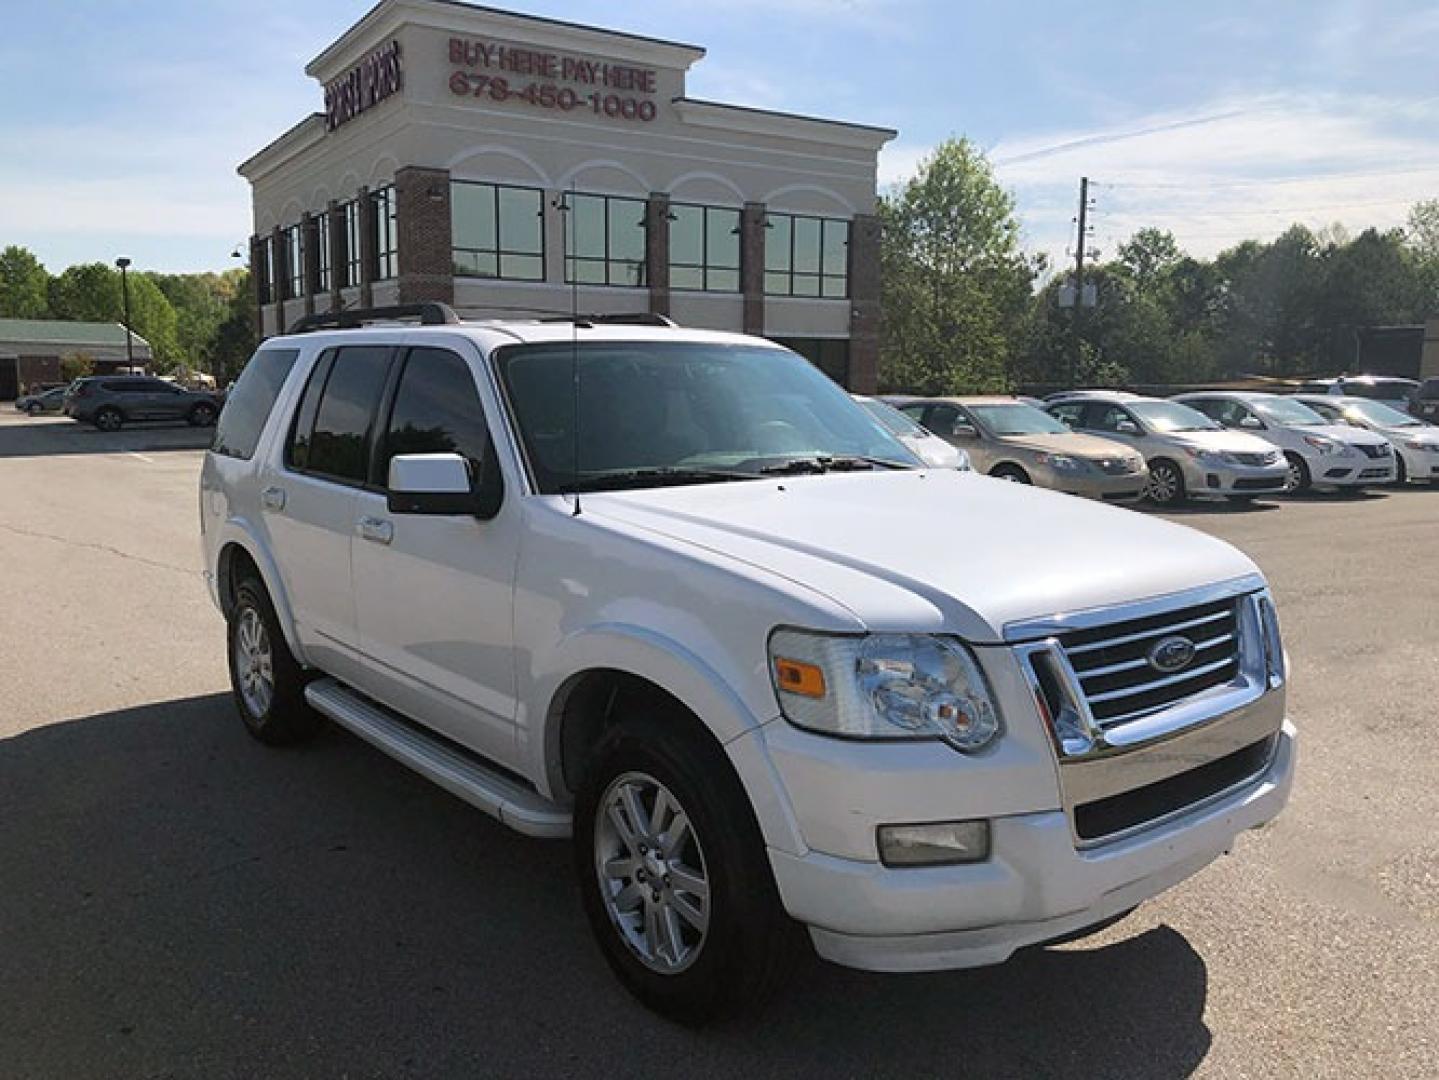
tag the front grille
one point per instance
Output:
(1259, 483)
(1378, 451)
(1115, 814)
(1268, 457)
(1118, 466)
(1117, 677)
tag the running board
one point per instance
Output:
(517, 806)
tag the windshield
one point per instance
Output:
(1287, 412)
(1167, 416)
(1017, 418)
(894, 420)
(1379, 414)
(656, 412)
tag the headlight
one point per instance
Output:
(1061, 462)
(1326, 446)
(883, 686)
(1211, 457)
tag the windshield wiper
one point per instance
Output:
(656, 476)
(823, 463)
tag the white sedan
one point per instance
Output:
(1416, 444)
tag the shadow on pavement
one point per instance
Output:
(180, 901)
(23, 437)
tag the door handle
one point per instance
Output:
(273, 498)
(377, 530)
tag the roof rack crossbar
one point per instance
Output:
(619, 318)
(431, 313)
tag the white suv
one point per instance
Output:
(1320, 454)
(1188, 454)
(675, 593)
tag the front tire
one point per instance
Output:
(674, 876)
(34, 408)
(266, 680)
(1166, 483)
(202, 415)
(108, 419)
(1299, 478)
(1013, 473)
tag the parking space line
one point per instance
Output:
(142, 457)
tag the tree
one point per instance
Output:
(1149, 256)
(956, 286)
(235, 337)
(89, 292)
(76, 365)
(1421, 232)
(23, 285)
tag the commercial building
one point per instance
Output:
(513, 165)
(31, 350)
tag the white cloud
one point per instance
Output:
(1226, 171)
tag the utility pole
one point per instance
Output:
(124, 265)
(1079, 279)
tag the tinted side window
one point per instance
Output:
(1208, 406)
(941, 419)
(1428, 390)
(339, 444)
(1068, 413)
(437, 410)
(297, 450)
(1109, 417)
(248, 405)
(125, 386)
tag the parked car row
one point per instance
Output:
(111, 401)
(1121, 447)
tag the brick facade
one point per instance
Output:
(423, 235)
(657, 252)
(864, 298)
(310, 252)
(368, 252)
(751, 265)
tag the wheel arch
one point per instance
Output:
(239, 553)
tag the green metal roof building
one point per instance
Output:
(30, 350)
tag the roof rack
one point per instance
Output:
(622, 318)
(429, 314)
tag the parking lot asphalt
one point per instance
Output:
(179, 901)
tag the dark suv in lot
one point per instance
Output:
(110, 402)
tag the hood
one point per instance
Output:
(932, 450)
(926, 550)
(1072, 443)
(1225, 440)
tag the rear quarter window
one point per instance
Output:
(248, 405)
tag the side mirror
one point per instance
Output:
(1127, 427)
(1251, 423)
(964, 431)
(441, 484)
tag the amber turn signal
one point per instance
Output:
(797, 677)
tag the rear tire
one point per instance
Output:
(712, 958)
(202, 415)
(1013, 473)
(266, 680)
(1299, 478)
(1401, 472)
(34, 408)
(109, 419)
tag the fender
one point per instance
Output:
(696, 684)
(239, 531)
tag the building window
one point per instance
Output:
(322, 253)
(806, 256)
(294, 262)
(386, 249)
(350, 214)
(264, 272)
(605, 240)
(830, 355)
(498, 231)
(704, 248)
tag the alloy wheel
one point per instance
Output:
(254, 662)
(1163, 484)
(652, 875)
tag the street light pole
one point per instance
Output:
(124, 264)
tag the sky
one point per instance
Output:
(1220, 121)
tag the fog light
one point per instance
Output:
(942, 843)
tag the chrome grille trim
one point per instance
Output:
(1157, 684)
(1158, 631)
(1060, 622)
(1130, 665)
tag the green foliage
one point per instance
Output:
(76, 365)
(23, 284)
(956, 286)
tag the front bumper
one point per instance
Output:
(1202, 478)
(1095, 484)
(1037, 885)
(1351, 472)
(1419, 464)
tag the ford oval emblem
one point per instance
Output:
(1171, 654)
